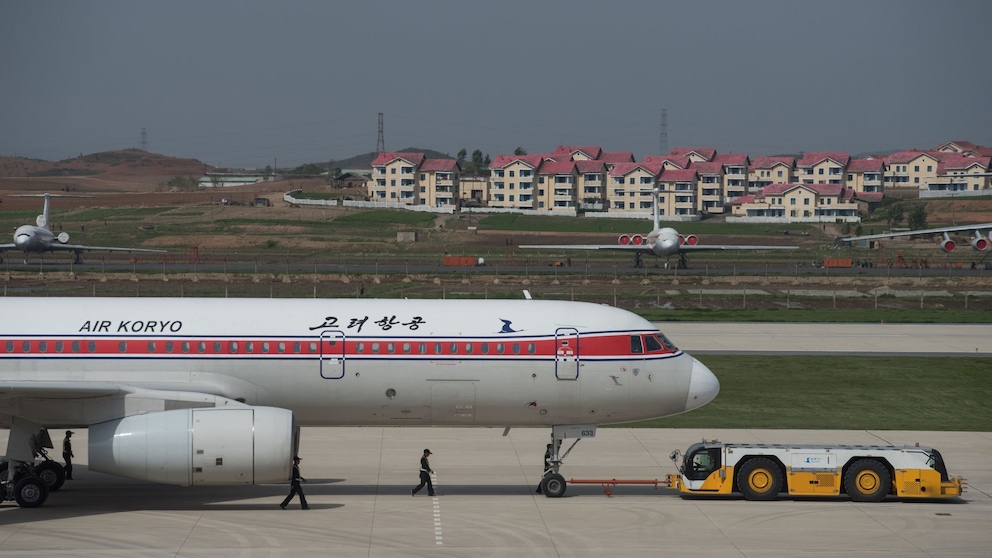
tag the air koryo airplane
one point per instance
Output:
(40, 238)
(661, 242)
(213, 391)
(979, 243)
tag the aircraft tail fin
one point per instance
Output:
(43, 218)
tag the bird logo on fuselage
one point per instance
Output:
(506, 326)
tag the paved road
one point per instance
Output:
(810, 338)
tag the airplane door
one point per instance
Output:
(567, 353)
(332, 354)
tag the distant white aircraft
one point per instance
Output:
(39, 238)
(978, 242)
(660, 242)
(192, 391)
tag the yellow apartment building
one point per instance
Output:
(630, 185)
(735, 167)
(800, 203)
(709, 178)
(438, 181)
(865, 175)
(513, 180)
(822, 167)
(678, 193)
(764, 171)
(556, 186)
(591, 183)
(394, 178)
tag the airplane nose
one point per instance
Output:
(703, 386)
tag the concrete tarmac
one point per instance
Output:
(359, 482)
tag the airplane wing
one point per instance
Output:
(704, 247)
(78, 247)
(622, 247)
(921, 231)
(7, 247)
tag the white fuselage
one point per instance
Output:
(29, 238)
(353, 361)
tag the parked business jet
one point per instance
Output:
(661, 242)
(39, 238)
(212, 391)
(978, 242)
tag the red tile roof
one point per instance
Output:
(622, 169)
(557, 167)
(704, 152)
(439, 165)
(534, 161)
(591, 151)
(617, 157)
(679, 161)
(707, 167)
(769, 162)
(386, 157)
(961, 163)
(819, 189)
(590, 166)
(815, 157)
(740, 159)
(901, 157)
(678, 175)
(742, 199)
(866, 165)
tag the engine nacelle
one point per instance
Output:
(251, 445)
(623, 240)
(947, 245)
(691, 240)
(979, 243)
(637, 240)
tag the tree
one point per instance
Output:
(896, 216)
(918, 217)
(858, 230)
(477, 159)
(462, 154)
(519, 151)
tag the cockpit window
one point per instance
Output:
(667, 342)
(652, 343)
(636, 347)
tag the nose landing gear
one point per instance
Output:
(552, 483)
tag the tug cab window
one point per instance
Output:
(703, 462)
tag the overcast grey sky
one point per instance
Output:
(242, 83)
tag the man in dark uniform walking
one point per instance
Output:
(425, 475)
(296, 488)
(67, 454)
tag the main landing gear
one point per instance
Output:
(552, 483)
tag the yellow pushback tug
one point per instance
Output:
(762, 471)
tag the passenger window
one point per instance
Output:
(499, 348)
(652, 343)
(10, 346)
(265, 347)
(185, 346)
(360, 348)
(468, 348)
(454, 348)
(249, 347)
(296, 348)
(233, 347)
(59, 346)
(375, 348)
(218, 347)
(313, 347)
(406, 348)
(26, 347)
(168, 346)
(531, 348)
(438, 348)
(636, 347)
(423, 348)
(516, 348)
(122, 347)
(390, 348)
(201, 347)
(151, 346)
(484, 348)
(75, 347)
(91, 347)
(281, 347)
(43, 346)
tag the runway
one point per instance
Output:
(360, 480)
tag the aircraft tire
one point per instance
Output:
(30, 492)
(867, 481)
(760, 479)
(52, 474)
(553, 485)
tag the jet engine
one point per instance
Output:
(689, 240)
(623, 239)
(637, 240)
(947, 244)
(63, 237)
(980, 243)
(249, 445)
